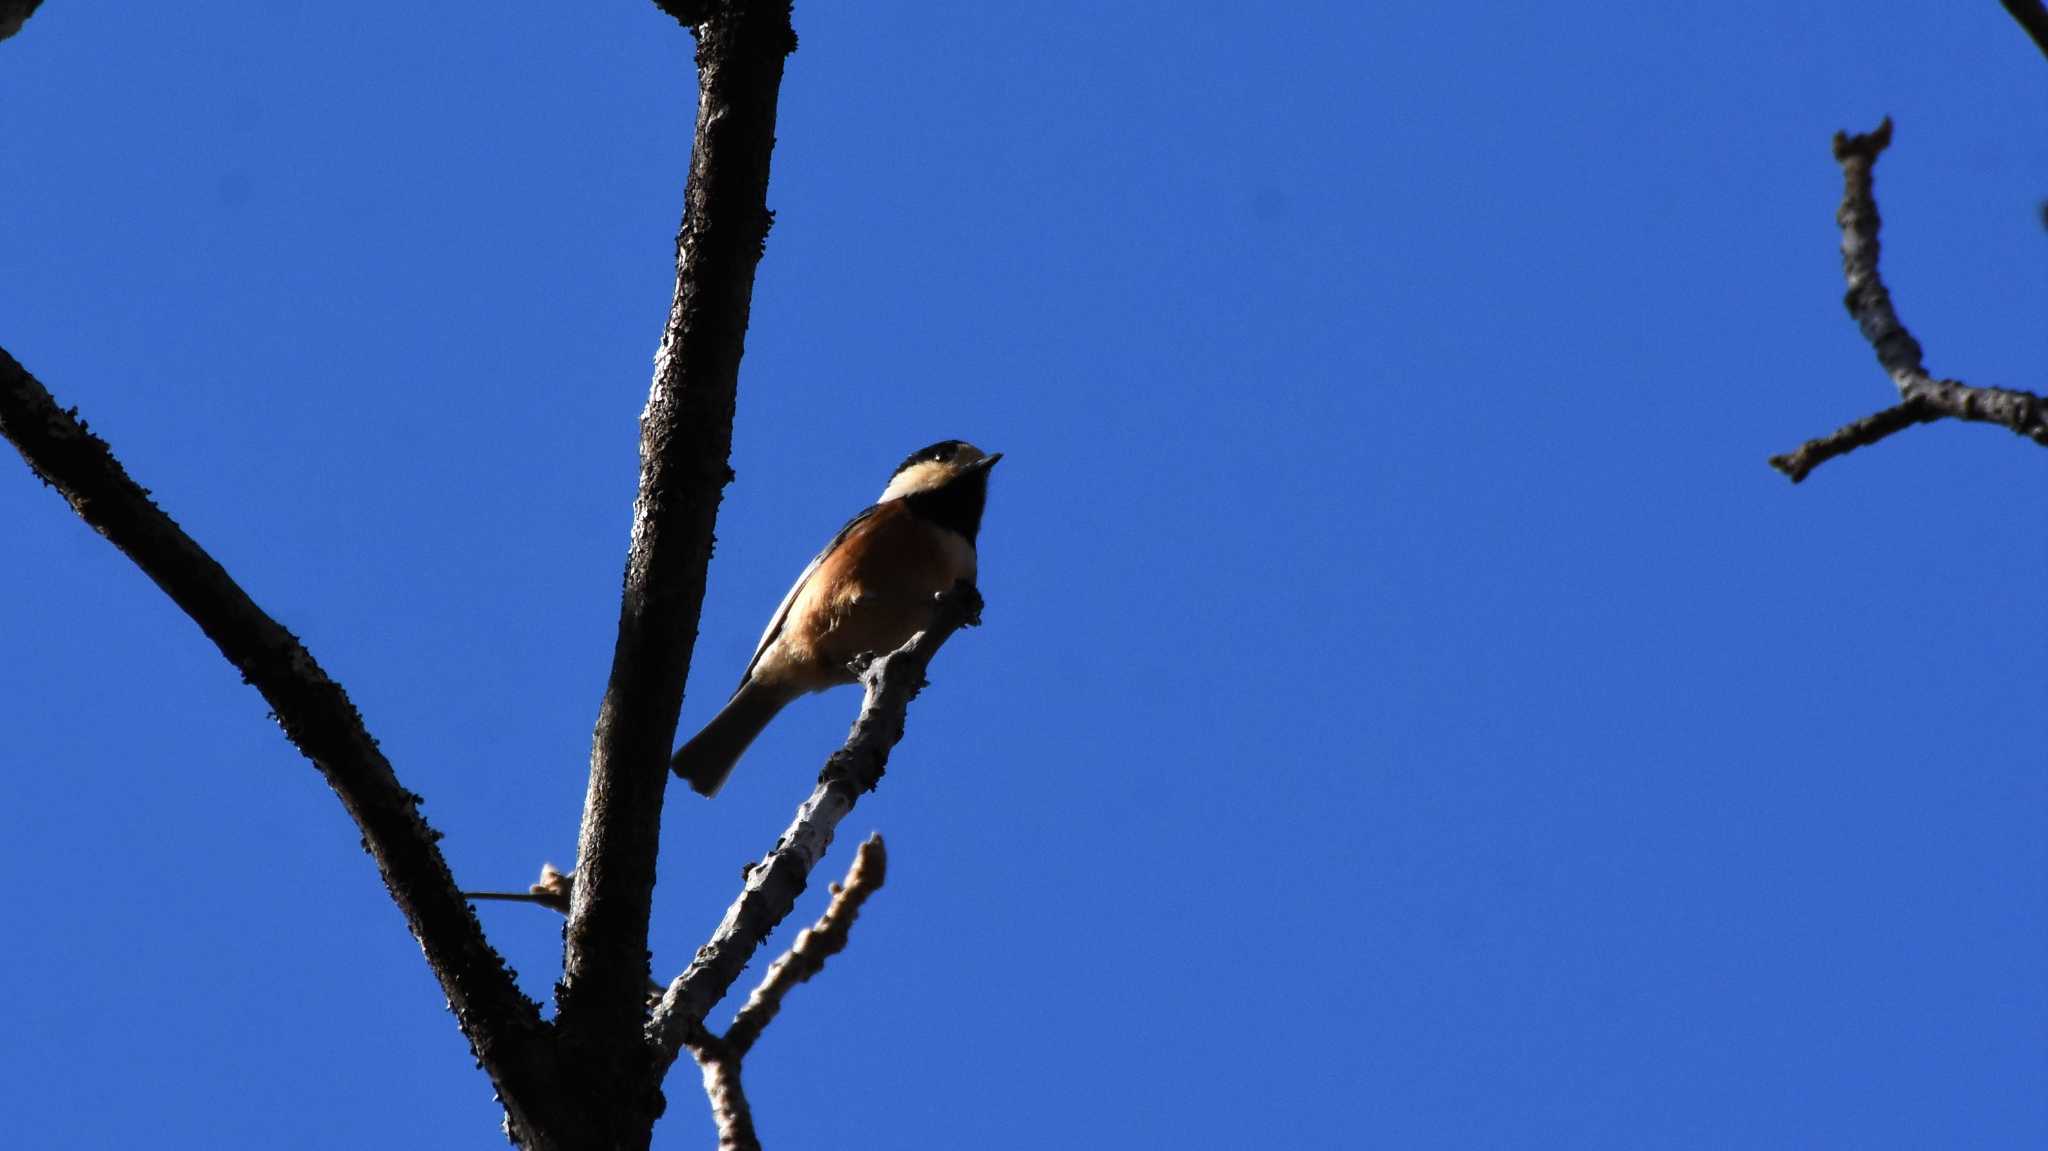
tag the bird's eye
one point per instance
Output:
(941, 455)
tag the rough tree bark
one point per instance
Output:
(502, 1025)
(1922, 398)
(685, 441)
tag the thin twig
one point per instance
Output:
(2033, 17)
(503, 1026)
(814, 945)
(773, 884)
(685, 440)
(1849, 437)
(552, 890)
(1923, 398)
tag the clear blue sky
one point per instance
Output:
(1409, 713)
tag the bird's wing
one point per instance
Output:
(775, 622)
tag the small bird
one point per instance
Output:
(870, 590)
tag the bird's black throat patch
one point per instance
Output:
(957, 505)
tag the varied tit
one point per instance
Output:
(870, 590)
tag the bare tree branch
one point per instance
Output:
(685, 440)
(1849, 437)
(2033, 17)
(814, 945)
(552, 890)
(503, 1026)
(773, 884)
(1923, 398)
(721, 1058)
(688, 13)
(729, 1108)
(593, 1080)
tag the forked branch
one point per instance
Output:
(720, 1058)
(1922, 398)
(685, 439)
(774, 883)
(814, 945)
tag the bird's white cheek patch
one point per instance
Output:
(916, 478)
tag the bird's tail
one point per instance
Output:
(708, 758)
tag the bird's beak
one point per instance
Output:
(988, 461)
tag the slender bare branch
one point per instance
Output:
(552, 890)
(1923, 398)
(814, 945)
(503, 1026)
(1868, 300)
(773, 884)
(2033, 17)
(721, 1058)
(1850, 436)
(685, 439)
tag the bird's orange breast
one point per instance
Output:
(872, 593)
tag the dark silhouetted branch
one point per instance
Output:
(503, 1026)
(1849, 437)
(1922, 398)
(685, 440)
(773, 884)
(15, 13)
(2033, 17)
(688, 13)
(814, 945)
